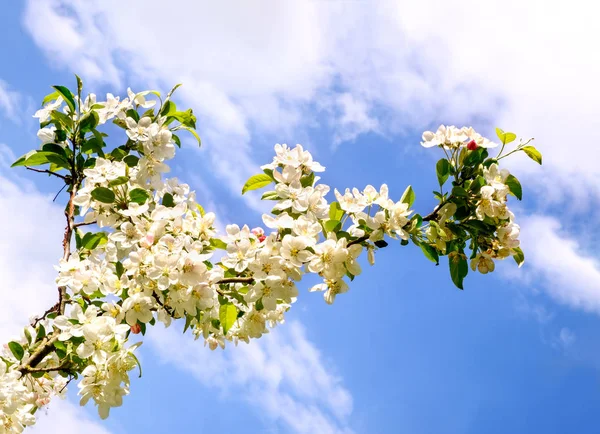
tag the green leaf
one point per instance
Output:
(333, 225)
(92, 145)
(139, 196)
(218, 244)
(514, 186)
(259, 304)
(442, 169)
(131, 160)
(171, 92)
(430, 253)
(17, 350)
(519, 256)
(227, 316)
(67, 96)
(89, 122)
(475, 157)
(118, 181)
(458, 268)
(79, 84)
(194, 133)
(32, 158)
(137, 362)
(533, 153)
(200, 209)
(91, 240)
(133, 114)
(408, 196)
(168, 201)
(50, 97)
(270, 195)
(168, 108)
(41, 332)
(335, 211)
(308, 180)
(257, 181)
(459, 192)
(119, 269)
(103, 194)
(505, 137)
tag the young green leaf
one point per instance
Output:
(50, 97)
(505, 137)
(514, 186)
(257, 181)
(335, 211)
(333, 225)
(218, 244)
(408, 196)
(533, 153)
(269, 195)
(519, 256)
(227, 316)
(194, 133)
(103, 194)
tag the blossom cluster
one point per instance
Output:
(452, 137)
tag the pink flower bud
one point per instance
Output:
(472, 145)
(259, 233)
(136, 329)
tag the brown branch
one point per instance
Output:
(45, 348)
(76, 225)
(63, 177)
(30, 370)
(359, 240)
(45, 314)
(236, 280)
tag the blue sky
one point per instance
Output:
(355, 82)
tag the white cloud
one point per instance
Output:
(555, 259)
(30, 245)
(531, 67)
(283, 375)
(63, 417)
(566, 337)
(10, 102)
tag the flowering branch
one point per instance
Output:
(151, 259)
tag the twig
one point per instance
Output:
(63, 177)
(45, 314)
(59, 191)
(236, 280)
(359, 240)
(76, 225)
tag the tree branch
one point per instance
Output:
(45, 348)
